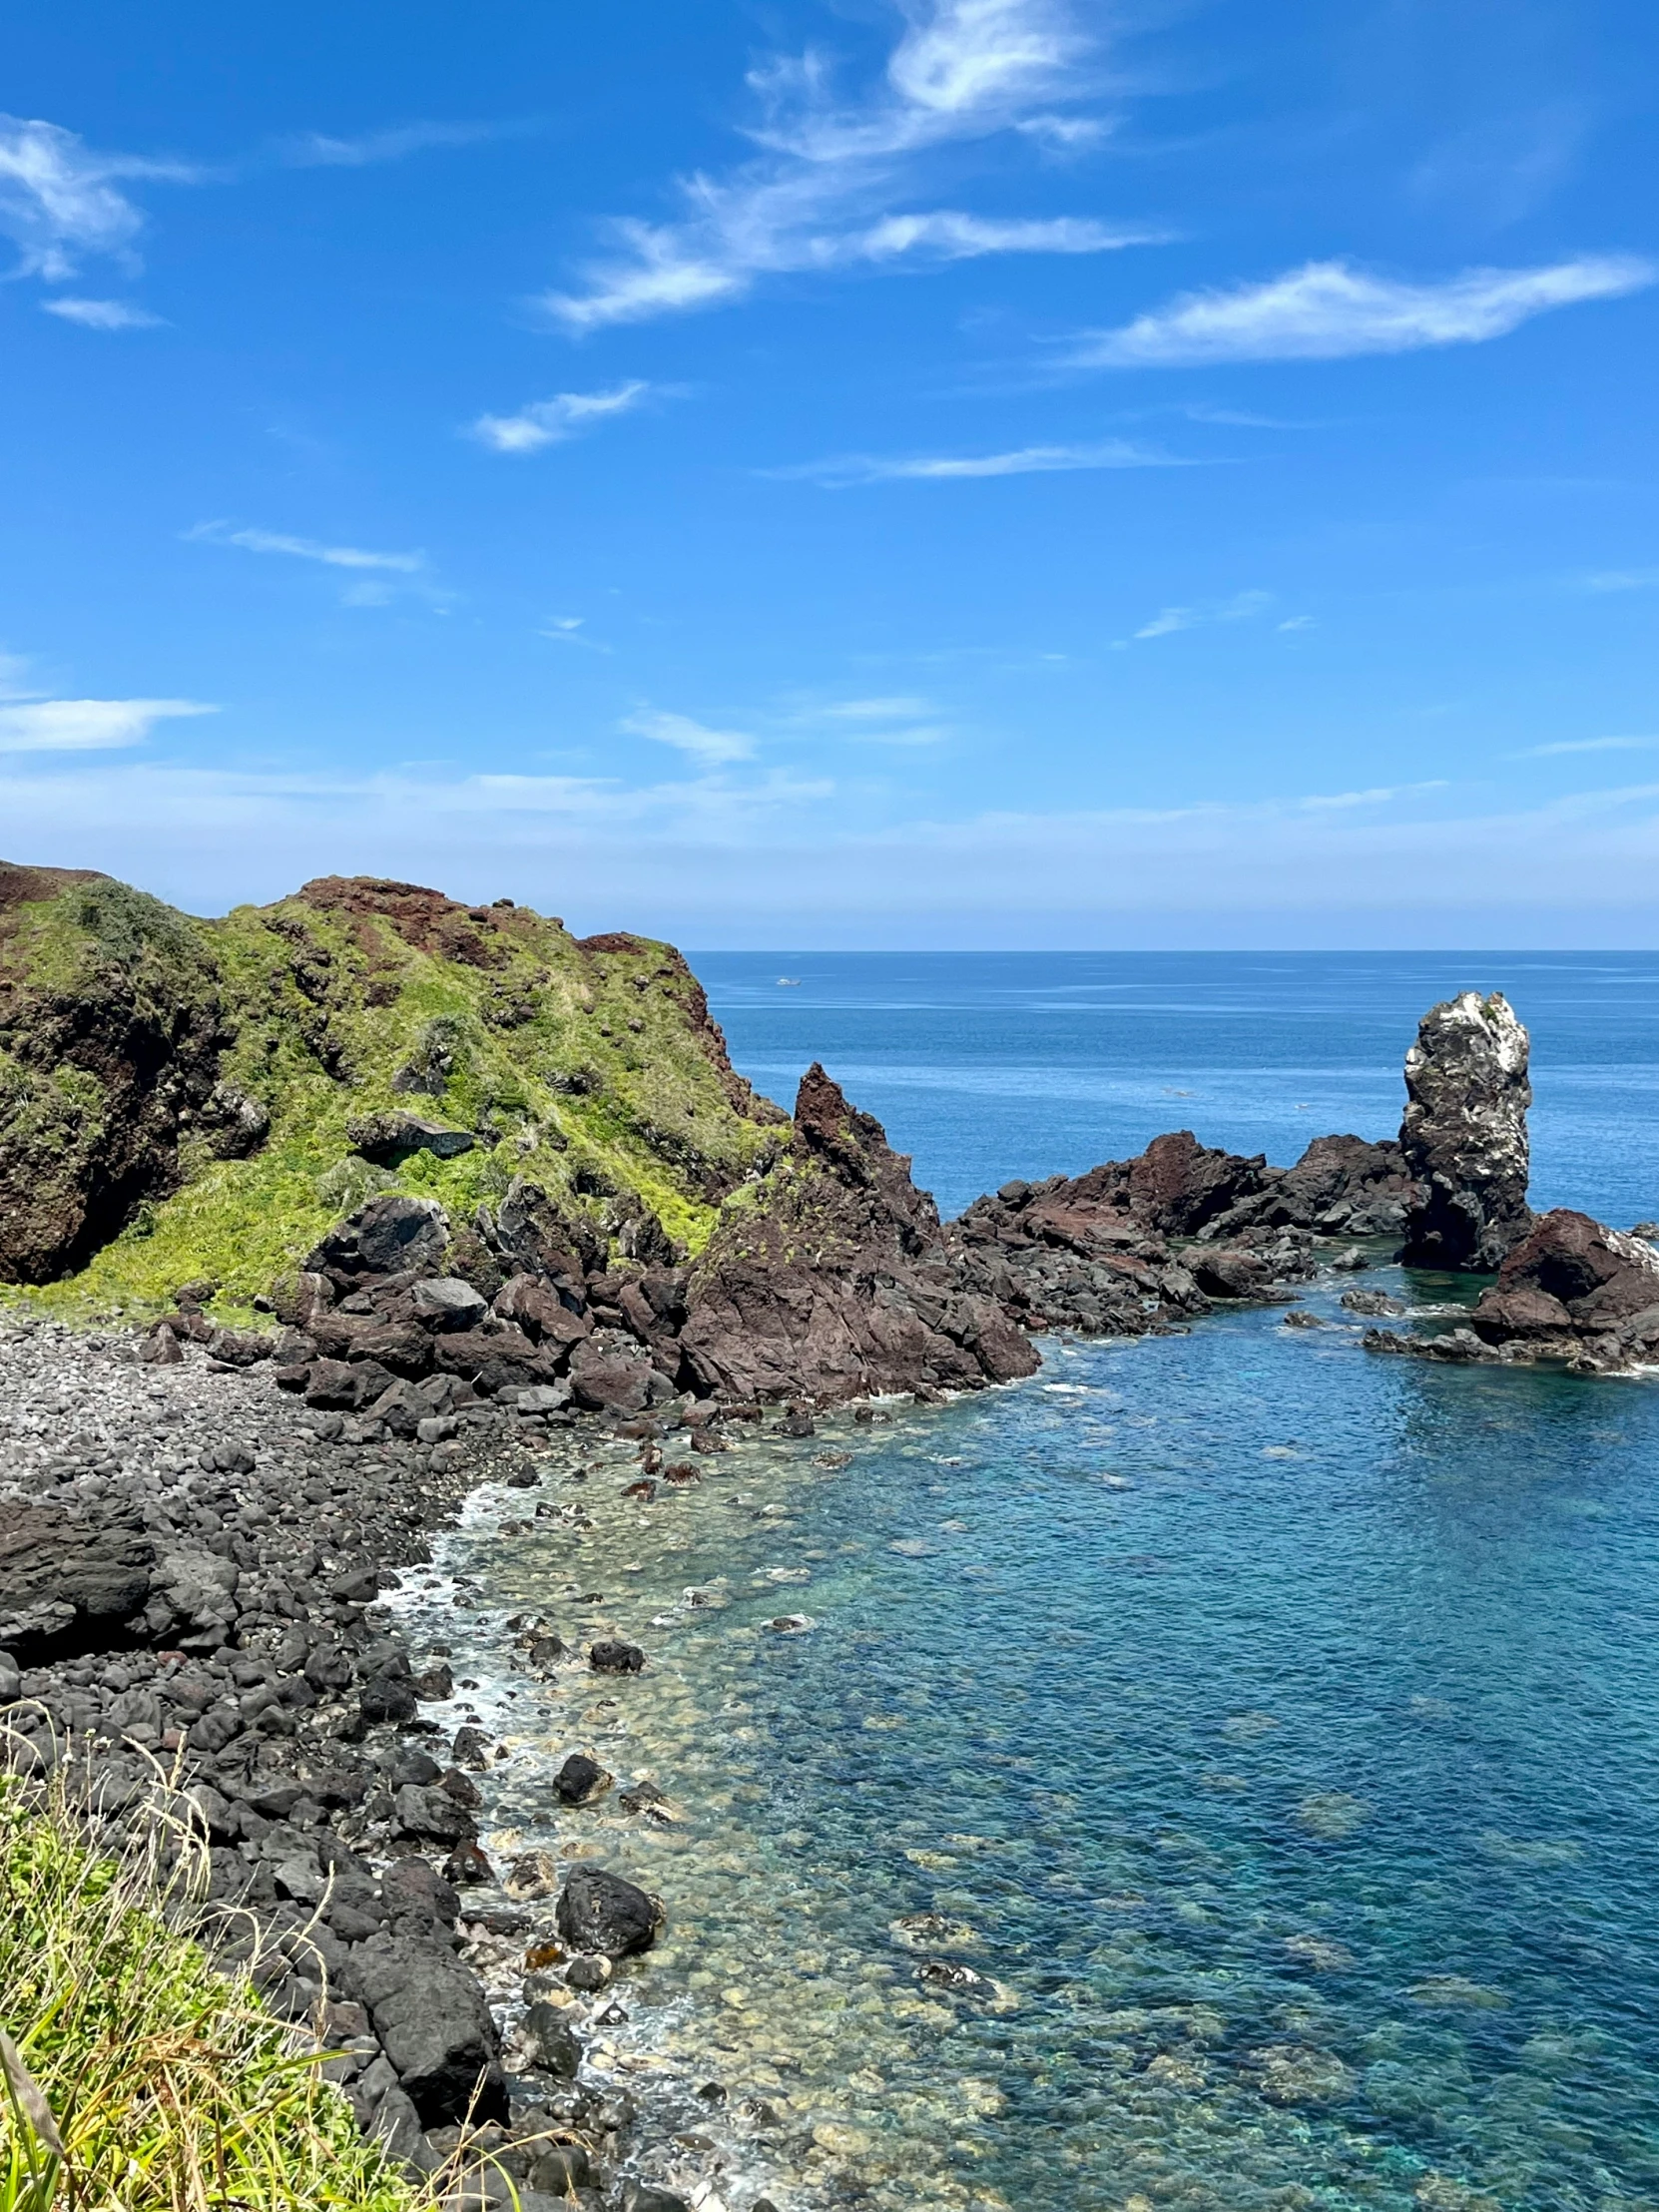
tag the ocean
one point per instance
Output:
(1221, 1772)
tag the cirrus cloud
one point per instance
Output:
(307, 549)
(103, 314)
(88, 725)
(821, 196)
(1329, 311)
(552, 421)
(939, 469)
(712, 748)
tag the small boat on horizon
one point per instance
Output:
(788, 982)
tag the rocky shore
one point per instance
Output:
(198, 1513)
(188, 1567)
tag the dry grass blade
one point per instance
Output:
(142, 2079)
(25, 2094)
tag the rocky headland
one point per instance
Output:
(321, 1214)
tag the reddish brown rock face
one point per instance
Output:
(836, 1282)
(1572, 1286)
(1178, 1184)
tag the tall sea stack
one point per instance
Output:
(1465, 1135)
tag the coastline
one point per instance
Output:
(288, 1675)
(637, 2107)
(259, 1675)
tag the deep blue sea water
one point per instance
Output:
(990, 1065)
(1272, 1730)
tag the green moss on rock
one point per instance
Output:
(178, 1097)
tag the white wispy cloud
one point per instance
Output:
(713, 747)
(752, 852)
(1065, 133)
(950, 236)
(568, 629)
(237, 829)
(309, 549)
(103, 314)
(551, 422)
(820, 194)
(1623, 579)
(1326, 311)
(315, 150)
(937, 468)
(60, 200)
(906, 707)
(895, 719)
(87, 724)
(1587, 744)
(1242, 607)
(1383, 795)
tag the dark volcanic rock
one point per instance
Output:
(834, 1280)
(392, 1137)
(611, 1373)
(580, 1780)
(1465, 1135)
(68, 1581)
(1177, 1186)
(1340, 1186)
(435, 2022)
(1142, 1244)
(600, 1911)
(384, 1237)
(1574, 1289)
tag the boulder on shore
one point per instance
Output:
(600, 1912)
(68, 1581)
(1465, 1135)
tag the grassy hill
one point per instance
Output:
(184, 1099)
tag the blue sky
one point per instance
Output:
(957, 472)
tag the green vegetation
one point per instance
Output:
(232, 1061)
(138, 2079)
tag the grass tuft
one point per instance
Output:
(137, 2077)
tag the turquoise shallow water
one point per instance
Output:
(1270, 1729)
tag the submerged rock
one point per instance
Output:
(1465, 1135)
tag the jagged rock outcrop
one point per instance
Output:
(829, 1280)
(834, 1280)
(1574, 1289)
(1138, 1246)
(1465, 1135)
(1572, 1292)
(1340, 1186)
